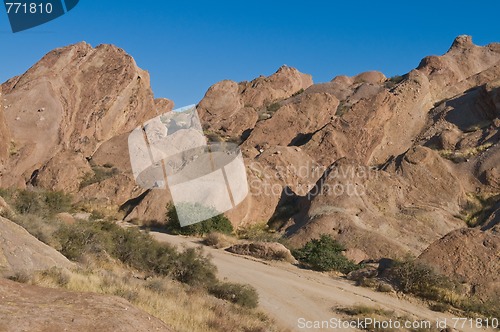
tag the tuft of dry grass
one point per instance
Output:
(219, 240)
(182, 307)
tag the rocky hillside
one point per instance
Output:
(385, 165)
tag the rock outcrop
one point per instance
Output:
(20, 252)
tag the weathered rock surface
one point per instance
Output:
(32, 308)
(471, 256)
(20, 252)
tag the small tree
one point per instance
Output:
(324, 254)
(219, 223)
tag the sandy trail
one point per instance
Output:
(288, 293)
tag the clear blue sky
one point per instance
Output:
(189, 45)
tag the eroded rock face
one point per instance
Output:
(69, 103)
(230, 108)
(32, 308)
(471, 256)
(427, 140)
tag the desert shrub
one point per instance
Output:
(271, 109)
(363, 310)
(135, 249)
(192, 268)
(57, 201)
(98, 174)
(20, 277)
(324, 254)
(27, 202)
(43, 203)
(411, 276)
(60, 276)
(218, 240)
(393, 81)
(42, 228)
(298, 92)
(244, 295)
(257, 232)
(440, 307)
(218, 223)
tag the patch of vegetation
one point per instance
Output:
(244, 295)
(180, 306)
(258, 232)
(131, 264)
(464, 155)
(413, 277)
(343, 108)
(98, 174)
(273, 108)
(393, 81)
(478, 208)
(135, 249)
(298, 93)
(324, 254)
(364, 310)
(45, 203)
(218, 223)
(374, 316)
(13, 149)
(218, 240)
(478, 126)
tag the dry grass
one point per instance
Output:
(378, 314)
(463, 155)
(181, 307)
(219, 240)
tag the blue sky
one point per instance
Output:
(188, 46)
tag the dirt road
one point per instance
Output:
(288, 293)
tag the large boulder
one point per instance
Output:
(20, 252)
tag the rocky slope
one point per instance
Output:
(386, 166)
(32, 308)
(20, 252)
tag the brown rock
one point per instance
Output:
(21, 252)
(470, 255)
(32, 308)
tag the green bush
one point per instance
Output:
(273, 108)
(43, 203)
(98, 174)
(411, 276)
(257, 232)
(324, 254)
(244, 295)
(137, 250)
(27, 202)
(57, 201)
(218, 223)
